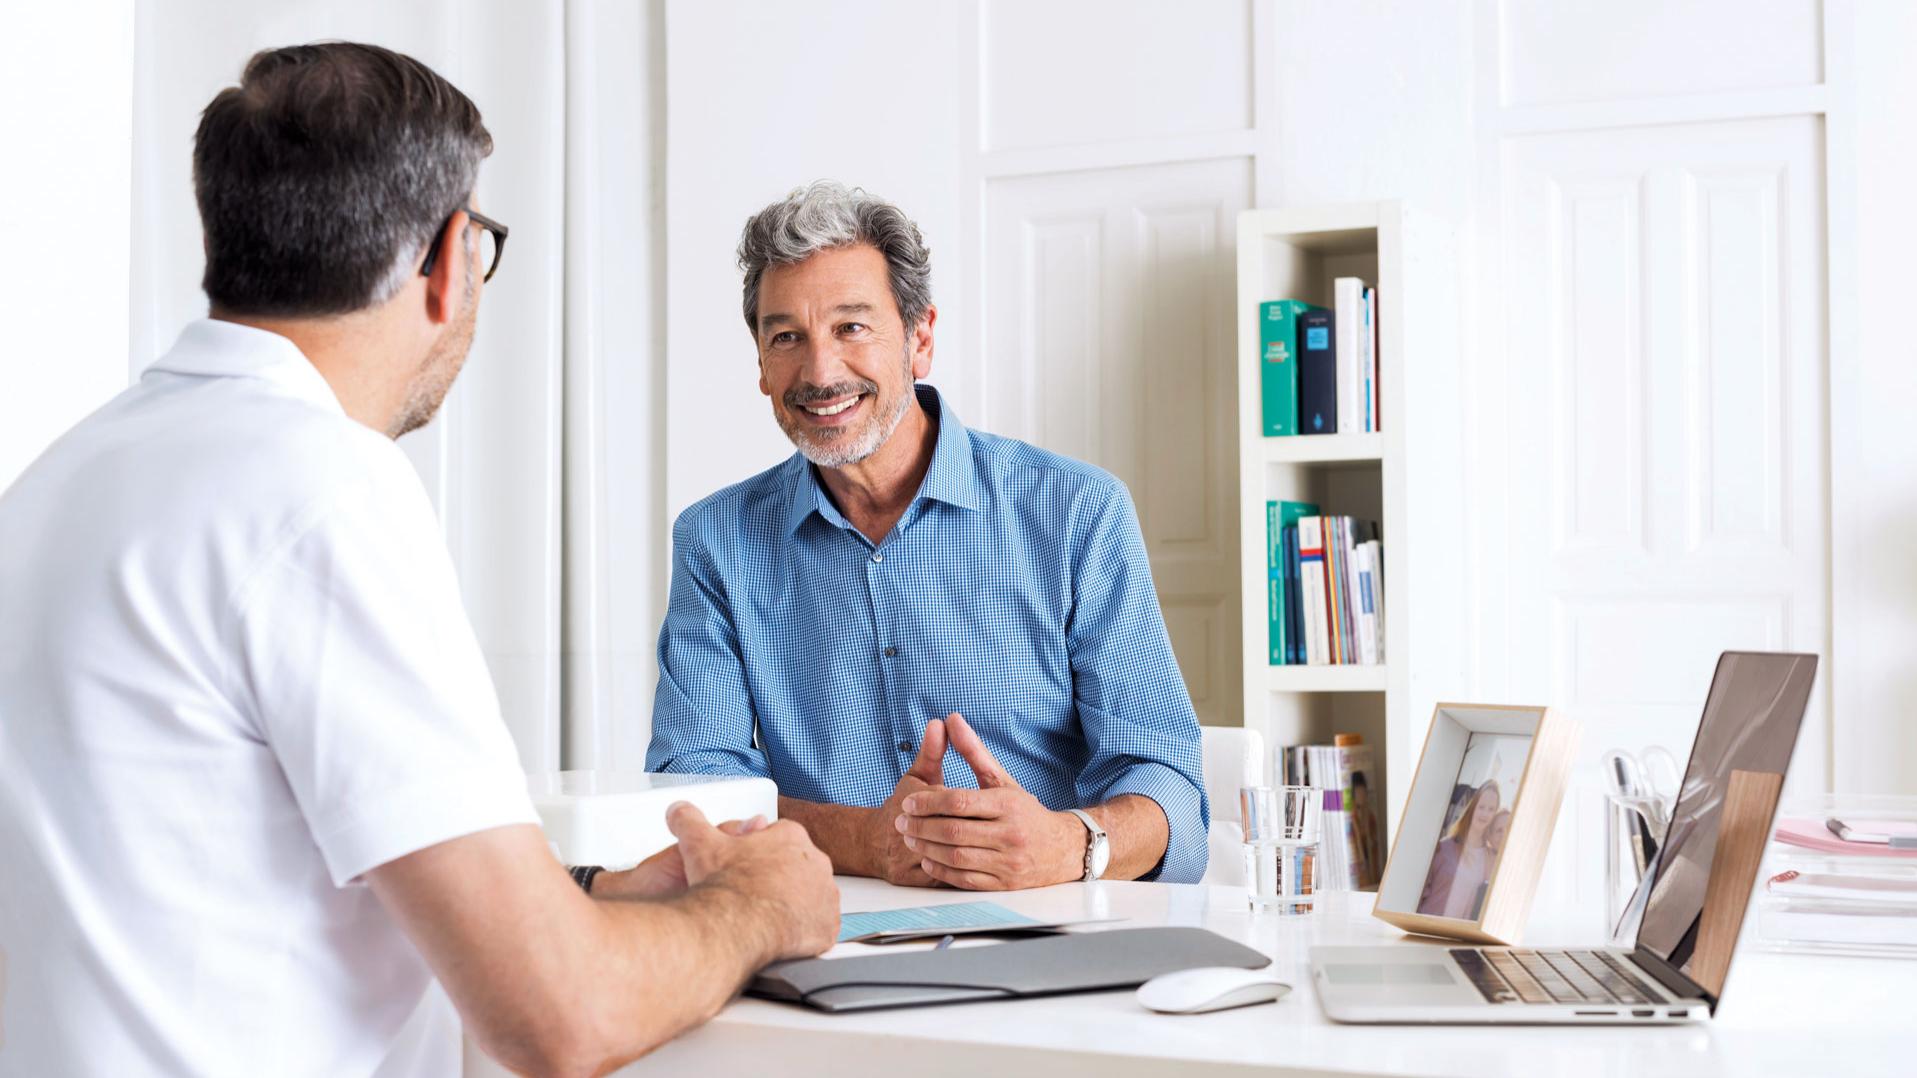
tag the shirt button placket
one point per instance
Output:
(888, 653)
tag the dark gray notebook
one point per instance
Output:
(1075, 962)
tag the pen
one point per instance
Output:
(943, 944)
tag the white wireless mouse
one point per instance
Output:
(1212, 988)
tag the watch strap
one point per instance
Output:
(1096, 835)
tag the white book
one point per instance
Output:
(1354, 594)
(1368, 603)
(1311, 588)
(1376, 558)
(1371, 359)
(1348, 320)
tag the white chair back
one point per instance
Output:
(1234, 757)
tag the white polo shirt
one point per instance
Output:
(235, 675)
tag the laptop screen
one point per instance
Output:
(1723, 815)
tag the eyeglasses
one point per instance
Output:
(492, 243)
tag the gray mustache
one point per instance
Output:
(812, 394)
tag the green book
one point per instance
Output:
(1278, 517)
(1278, 367)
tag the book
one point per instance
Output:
(1371, 359)
(1351, 838)
(1278, 369)
(1349, 319)
(1357, 779)
(1280, 516)
(1294, 608)
(1367, 559)
(1317, 373)
(1378, 594)
(1274, 585)
(1312, 581)
(1336, 844)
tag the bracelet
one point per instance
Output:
(583, 874)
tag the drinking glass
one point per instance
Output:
(1282, 826)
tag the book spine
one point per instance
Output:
(1278, 370)
(1348, 307)
(1317, 373)
(1368, 613)
(1275, 592)
(1358, 782)
(1378, 595)
(1354, 600)
(1311, 572)
(1294, 624)
(1335, 570)
(1371, 359)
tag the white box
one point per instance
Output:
(618, 818)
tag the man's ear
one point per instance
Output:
(922, 343)
(446, 285)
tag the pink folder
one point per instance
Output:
(1813, 835)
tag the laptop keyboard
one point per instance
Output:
(1510, 975)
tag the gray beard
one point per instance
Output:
(840, 453)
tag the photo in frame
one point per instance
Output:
(1472, 838)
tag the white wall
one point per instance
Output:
(1873, 140)
(1346, 101)
(493, 461)
(764, 96)
(66, 118)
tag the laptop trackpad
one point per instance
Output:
(1419, 974)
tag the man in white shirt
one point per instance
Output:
(255, 793)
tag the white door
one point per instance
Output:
(1109, 339)
(1666, 428)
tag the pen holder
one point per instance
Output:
(1630, 858)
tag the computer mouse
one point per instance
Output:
(1211, 988)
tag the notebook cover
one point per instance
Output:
(1076, 962)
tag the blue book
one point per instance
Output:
(1294, 613)
(1317, 373)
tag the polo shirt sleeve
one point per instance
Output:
(367, 680)
(702, 716)
(1132, 705)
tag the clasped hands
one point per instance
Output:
(995, 838)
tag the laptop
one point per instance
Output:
(1682, 954)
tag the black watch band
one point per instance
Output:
(583, 874)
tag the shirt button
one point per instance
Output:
(891, 653)
(877, 557)
(905, 746)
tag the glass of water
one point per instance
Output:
(1281, 845)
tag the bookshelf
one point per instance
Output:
(1407, 476)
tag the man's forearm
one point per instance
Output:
(677, 961)
(1138, 832)
(842, 832)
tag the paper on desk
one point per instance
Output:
(954, 917)
(1811, 834)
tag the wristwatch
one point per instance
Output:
(1098, 850)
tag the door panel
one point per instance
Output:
(1108, 339)
(1666, 432)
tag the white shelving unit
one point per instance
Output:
(1405, 476)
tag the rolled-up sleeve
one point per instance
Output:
(1132, 704)
(702, 717)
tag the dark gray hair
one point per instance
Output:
(324, 174)
(825, 215)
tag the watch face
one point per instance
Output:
(1101, 856)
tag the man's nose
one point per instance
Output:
(824, 360)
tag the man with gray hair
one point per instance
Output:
(255, 792)
(943, 645)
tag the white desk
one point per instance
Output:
(1784, 1015)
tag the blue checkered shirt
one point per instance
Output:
(1014, 590)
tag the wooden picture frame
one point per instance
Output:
(1473, 834)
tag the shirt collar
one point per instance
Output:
(950, 478)
(212, 348)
